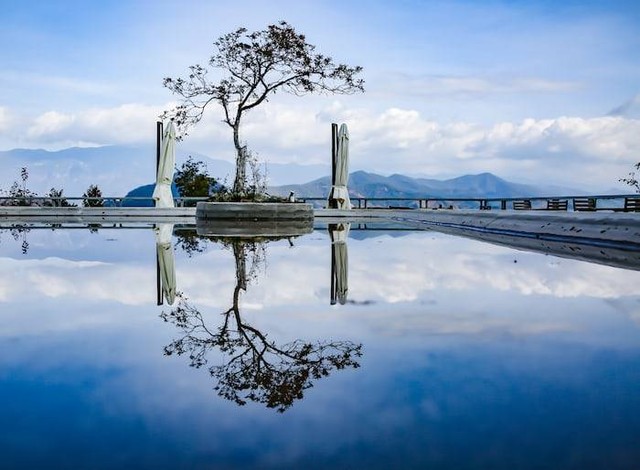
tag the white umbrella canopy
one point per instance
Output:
(340, 260)
(339, 191)
(162, 193)
(166, 261)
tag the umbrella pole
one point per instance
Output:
(333, 268)
(158, 144)
(334, 158)
(159, 298)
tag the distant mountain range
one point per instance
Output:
(371, 185)
(118, 169)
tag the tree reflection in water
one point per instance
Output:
(19, 234)
(188, 241)
(257, 369)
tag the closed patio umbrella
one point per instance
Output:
(166, 263)
(339, 194)
(162, 192)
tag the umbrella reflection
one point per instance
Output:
(339, 262)
(256, 369)
(166, 262)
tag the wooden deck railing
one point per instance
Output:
(577, 203)
(605, 202)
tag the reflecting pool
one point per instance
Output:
(349, 347)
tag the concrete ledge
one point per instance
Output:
(352, 213)
(93, 212)
(611, 239)
(250, 211)
(610, 254)
(593, 228)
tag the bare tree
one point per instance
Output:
(256, 65)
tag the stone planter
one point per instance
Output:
(253, 211)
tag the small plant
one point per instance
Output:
(258, 185)
(193, 180)
(255, 187)
(92, 197)
(56, 199)
(19, 194)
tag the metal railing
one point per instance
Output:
(612, 202)
(600, 202)
(71, 201)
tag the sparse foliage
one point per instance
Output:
(258, 184)
(19, 234)
(57, 199)
(256, 65)
(189, 242)
(19, 194)
(631, 179)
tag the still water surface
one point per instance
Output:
(446, 353)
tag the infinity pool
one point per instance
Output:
(378, 348)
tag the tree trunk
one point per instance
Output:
(240, 181)
(240, 255)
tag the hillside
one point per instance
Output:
(363, 184)
(116, 169)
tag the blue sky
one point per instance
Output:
(522, 89)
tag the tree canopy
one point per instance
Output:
(91, 196)
(255, 65)
(193, 179)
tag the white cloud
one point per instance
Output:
(53, 83)
(125, 124)
(461, 86)
(49, 124)
(565, 150)
(5, 119)
(571, 151)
